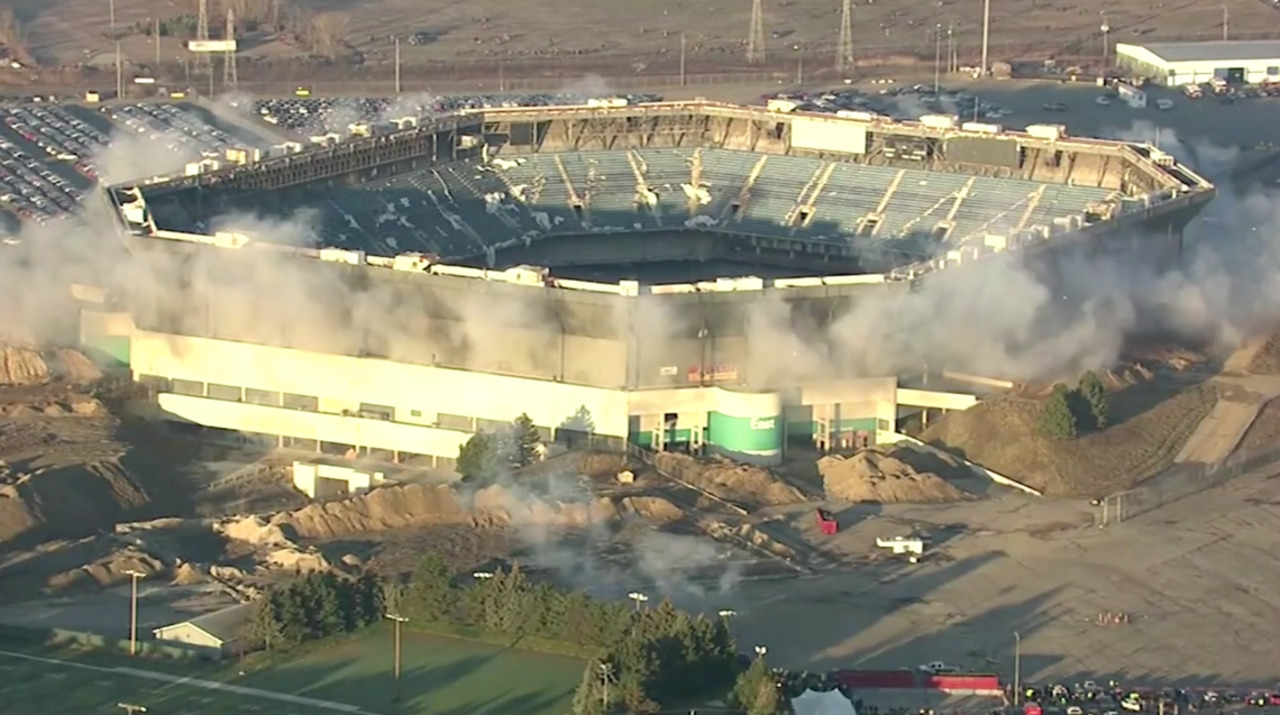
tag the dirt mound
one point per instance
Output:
(381, 509)
(74, 366)
(732, 481)
(650, 508)
(74, 499)
(1267, 360)
(252, 530)
(188, 574)
(1150, 423)
(872, 475)
(22, 366)
(106, 571)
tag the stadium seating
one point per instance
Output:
(460, 208)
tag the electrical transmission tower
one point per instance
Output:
(229, 78)
(755, 41)
(844, 50)
(202, 30)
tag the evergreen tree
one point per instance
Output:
(1057, 421)
(526, 441)
(369, 599)
(756, 690)
(265, 629)
(1094, 394)
(482, 459)
(430, 596)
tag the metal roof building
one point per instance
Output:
(217, 634)
(1178, 63)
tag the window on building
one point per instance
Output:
(483, 425)
(188, 387)
(156, 383)
(231, 393)
(460, 423)
(415, 413)
(371, 411)
(301, 402)
(1273, 71)
(261, 397)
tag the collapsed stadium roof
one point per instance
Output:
(898, 197)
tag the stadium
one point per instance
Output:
(617, 271)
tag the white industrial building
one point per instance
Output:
(1178, 63)
(214, 635)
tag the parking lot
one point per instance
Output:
(334, 114)
(53, 154)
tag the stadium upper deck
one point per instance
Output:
(891, 193)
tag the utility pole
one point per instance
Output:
(112, 5)
(119, 74)
(133, 612)
(157, 36)
(755, 40)
(398, 619)
(397, 64)
(1226, 18)
(1017, 667)
(986, 34)
(952, 62)
(937, 59)
(844, 50)
(683, 54)
(606, 676)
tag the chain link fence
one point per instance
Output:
(1179, 482)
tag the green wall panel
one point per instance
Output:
(745, 435)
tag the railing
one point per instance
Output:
(1179, 482)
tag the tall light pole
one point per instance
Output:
(727, 613)
(131, 708)
(760, 651)
(606, 677)
(133, 609)
(1226, 17)
(397, 64)
(1106, 43)
(112, 5)
(398, 619)
(638, 597)
(986, 33)
(1017, 668)
(482, 575)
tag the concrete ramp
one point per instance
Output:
(1219, 432)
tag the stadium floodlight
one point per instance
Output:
(133, 575)
(131, 708)
(727, 613)
(760, 651)
(638, 597)
(482, 575)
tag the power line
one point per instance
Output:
(229, 78)
(755, 41)
(844, 50)
(202, 32)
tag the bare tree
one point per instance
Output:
(328, 31)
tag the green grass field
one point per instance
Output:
(439, 675)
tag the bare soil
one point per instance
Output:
(1267, 360)
(887, 477)
(1152, 420)
(743, 484)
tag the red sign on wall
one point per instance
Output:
(714, 373)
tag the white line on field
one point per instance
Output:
(196, 683)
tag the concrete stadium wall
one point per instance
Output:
(344, 387)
